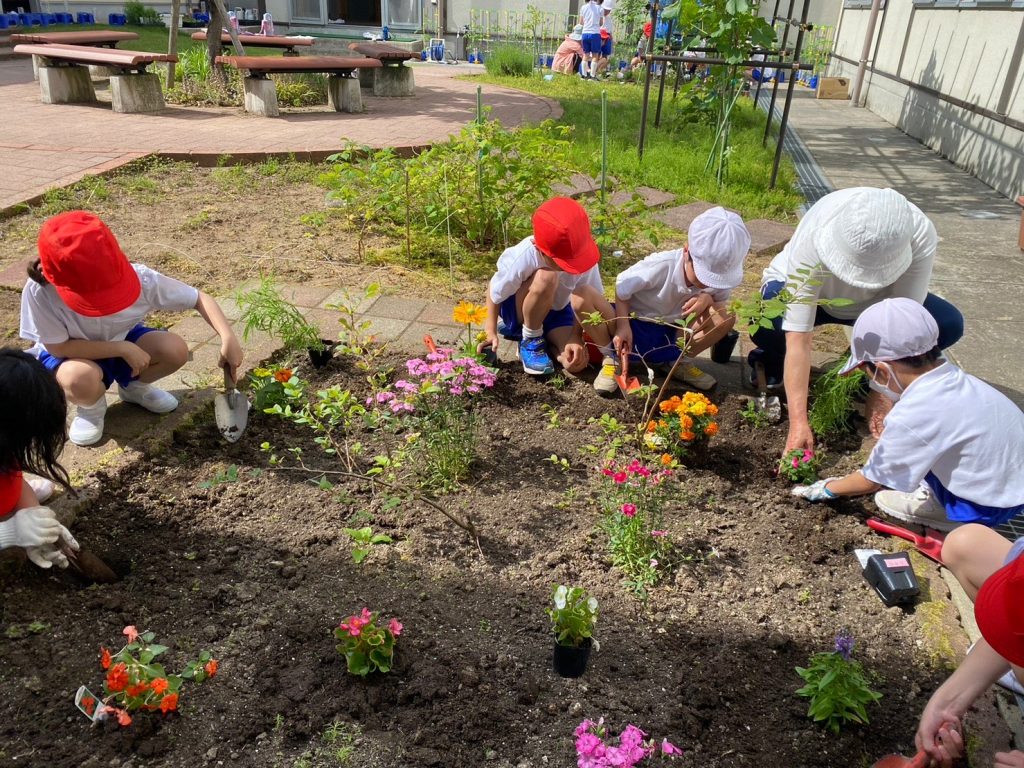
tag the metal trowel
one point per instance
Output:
(770, 406)
(231, 408)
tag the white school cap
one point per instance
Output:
(891, 330)
(718, 241)
(867, 243)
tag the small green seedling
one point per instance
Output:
(363, 540)
(559, 461)
(755, 417)
(222, 477)
(554, 420)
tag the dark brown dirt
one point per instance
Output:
(258, 571)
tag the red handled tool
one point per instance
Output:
(929, 545)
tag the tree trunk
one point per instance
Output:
(213, 46)
(172, 39)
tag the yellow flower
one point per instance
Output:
(468, 313)
(698, 408)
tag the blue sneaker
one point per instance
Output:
(534, 356)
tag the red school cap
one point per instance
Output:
(605, 34)
(648, 28)
(999, 611)
(561, 231)
(81, 259)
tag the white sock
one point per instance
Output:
(532, 333)
(593, 68)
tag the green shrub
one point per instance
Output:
(301, 90)
(194, 64)
(832, 401)
(140, 15)
(511, 61)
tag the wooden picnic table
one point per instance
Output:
(384, 53)
(104, 38)
(393, 78)
(289, 44)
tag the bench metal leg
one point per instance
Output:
(393, 81)
(136, 92)
(343, 94)
(66, 85)
(260, 96)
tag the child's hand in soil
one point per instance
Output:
(815, 491)
(1013, 759)
(939, 735)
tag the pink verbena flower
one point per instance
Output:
(395, 626)
(658, 534)
(629, 510)
(668, 748)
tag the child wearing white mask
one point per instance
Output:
(952, 447)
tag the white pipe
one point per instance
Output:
(862, 66)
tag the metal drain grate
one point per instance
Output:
(1012, 529)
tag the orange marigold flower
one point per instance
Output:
(282, 375)
(211, 667)
(104, 658)
(687, 436)
(686, 422)
(713, 409)
(666, 459)
(117, 677)
(123, 718)
(169, 703)
(137, 690)
(159, 685)
(666, 406)
(711, 429)
(651, 426)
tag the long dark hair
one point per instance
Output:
(35, 271)
(32, 419)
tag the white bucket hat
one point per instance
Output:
(577, 32)
(891, 330)
(867, 243)
(718, 241)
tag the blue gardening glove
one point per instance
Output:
(816, 491)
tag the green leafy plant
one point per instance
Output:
(754, 416)
(367, 646)
(301, 90)
(355, 338)
(800, 465)
(632, 497)
(837, 687)
(758, 312)
(138, 14)
(559, 462)
(363, 540)
(267, 387)
(832, 400)
(573, 615)
(265, 309)
(222, 477)
(510, 60)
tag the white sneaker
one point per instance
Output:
(41, 487)
(87, 426)
(918, 507)
(604, 382)
(1010, 682)
(149, 397)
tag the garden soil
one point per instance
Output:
(257, 570)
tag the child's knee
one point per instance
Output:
(961, 544)
(81, 380)
(175, 350)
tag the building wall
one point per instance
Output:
(951, 78)
(824, 12)
(459, 10)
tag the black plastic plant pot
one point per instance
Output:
(320, 358)
(571, 661)
(722, 351)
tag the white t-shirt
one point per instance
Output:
(46, 319)
(954, 425)
(800, 253)
(608, 6)
(590, 17)
(518, 263)
(657, 287)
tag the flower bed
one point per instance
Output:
(228, 553)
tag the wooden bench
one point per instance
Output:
(64, 77)
(104, 38)
(289, 44)
(261, 95)
(392, 79)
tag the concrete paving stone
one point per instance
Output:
(307, 294)
(14, 276)
(439, 314)
(680, 216)
(768, 237)
(126, 421)
(194, 330)
(653, 198)
(578, 185)
(353, 298)
(443, 335)
(386, 328)
(397, 307)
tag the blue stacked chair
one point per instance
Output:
(66, 18)
(25, 19)
(86, 18)
(35, 19)
(47, 19)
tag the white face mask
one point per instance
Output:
(885, 389)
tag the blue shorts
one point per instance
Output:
(114, 368)
(606, 47)
(592, 43)
(511, 328)
(653, 343)
(964, 511)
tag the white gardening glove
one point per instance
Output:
(815, 491)
(49, 555)
(30, 527)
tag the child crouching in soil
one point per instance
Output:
(83, 306)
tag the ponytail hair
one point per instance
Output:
(35, 272)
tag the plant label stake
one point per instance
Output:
(231, 409)
(90, 705)
(891, 575)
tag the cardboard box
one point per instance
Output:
(833, 88)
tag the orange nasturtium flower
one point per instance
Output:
(711, 429)
(169, 703)
(211, 667)
(283, 375)
(159, 685)
(104, 658)
(117, 677)
(137, 690)
(468, 313)
(666, 459)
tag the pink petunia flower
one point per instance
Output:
(395, 626)
(629, 510)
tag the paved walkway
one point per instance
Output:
(979, 266)
(44, 146)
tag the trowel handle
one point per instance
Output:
(229, 380)
(920, 760)
(428, 341)
(894, 530)
(762, 380)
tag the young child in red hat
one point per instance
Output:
(991, 571)
(84, 306)
(539, 286)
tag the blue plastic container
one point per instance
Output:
(472, 58)
(437, 52)
(814, 81)
(549, 60)
(423, 55)
(4, 23)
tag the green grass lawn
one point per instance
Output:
(675, 154)
(154, 39)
